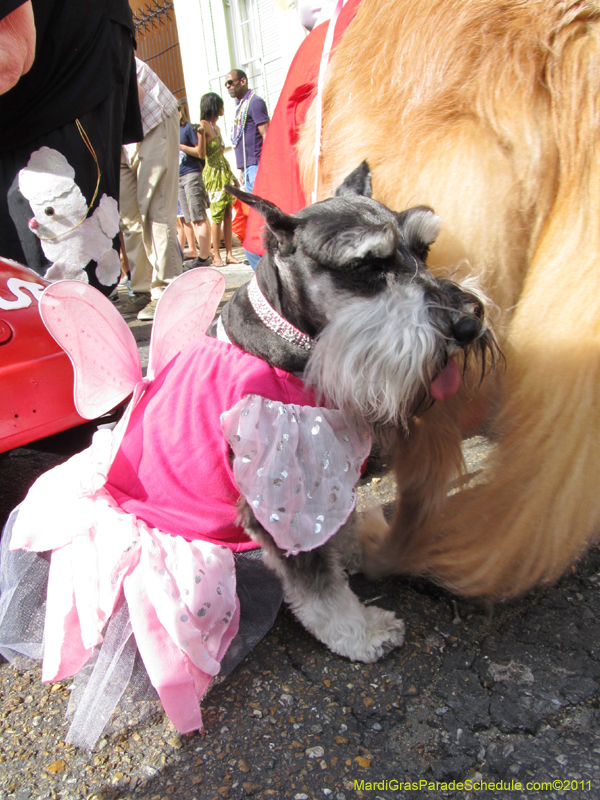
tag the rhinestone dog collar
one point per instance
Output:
(274, 321)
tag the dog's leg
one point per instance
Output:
(317, 591)
(427, 458)
(372, 527)
(383, 449)
(316, 588)
(426, 461)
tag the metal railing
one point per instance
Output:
(158, 43)
(155, 12)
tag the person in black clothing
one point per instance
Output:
(81, 84)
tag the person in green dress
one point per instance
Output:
(217, 174)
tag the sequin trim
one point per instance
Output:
(274, 321)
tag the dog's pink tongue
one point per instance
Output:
(447, 382)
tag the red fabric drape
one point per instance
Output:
(278, 178)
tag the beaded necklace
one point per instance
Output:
(241, 115)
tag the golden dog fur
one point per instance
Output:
(489, 112)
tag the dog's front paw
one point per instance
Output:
(379, 632)
(384, 632)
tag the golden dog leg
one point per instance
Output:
(425, 462)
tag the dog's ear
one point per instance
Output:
(350, 248)
(357, 183)
(419, 227)
(282, 225)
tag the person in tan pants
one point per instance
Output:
(148, 199)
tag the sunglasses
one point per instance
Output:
(229, 83)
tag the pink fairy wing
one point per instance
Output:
(96, 338)
(185, 310)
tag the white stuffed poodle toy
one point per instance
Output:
(69, 239)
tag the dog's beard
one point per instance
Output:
(376, 358)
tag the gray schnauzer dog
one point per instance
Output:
(343, 296)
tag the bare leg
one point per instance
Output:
(216, 240)
(191, 239)
(203, 237)
(181, 233)
(227, 234)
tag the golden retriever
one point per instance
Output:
(489, 112)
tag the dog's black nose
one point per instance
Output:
(466, 329)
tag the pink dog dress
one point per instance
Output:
(144, 522)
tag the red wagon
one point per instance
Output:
(36, 376)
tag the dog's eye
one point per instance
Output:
(49, 211)
(477, 310)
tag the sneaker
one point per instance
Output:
(147, 313)
(198, 262)
(134, 306)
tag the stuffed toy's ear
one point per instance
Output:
(282, 225)
(419, 227)
(357, 183)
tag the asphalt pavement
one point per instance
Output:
(505, 697)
